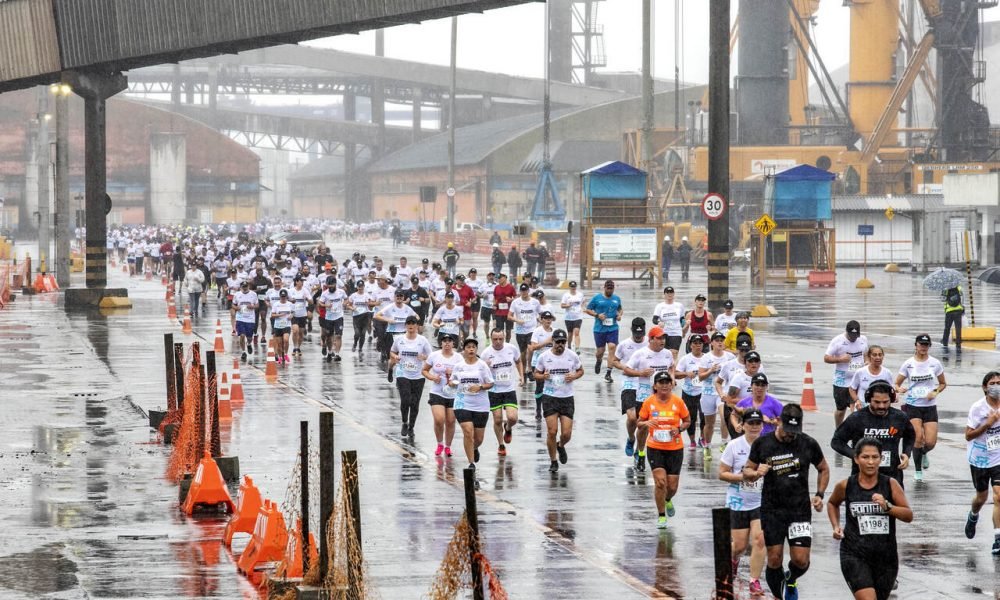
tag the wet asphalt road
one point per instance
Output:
(89, 515)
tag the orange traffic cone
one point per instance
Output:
(186, 327)
(236, 390)
(225, 406)
(50, 284)
(220, 346)
(808, 401)
(170, 290)
(208, 489)
(248, 503)
(171, 309)
(268, 542)
(291, 564)
(271, 369)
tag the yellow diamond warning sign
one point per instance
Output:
(765, 225)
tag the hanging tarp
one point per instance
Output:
(802, 193)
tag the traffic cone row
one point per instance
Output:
(225, 406)
(248, 504)
(808, 401)
(170, 290)
(236, 389)
(45, 283)
(271, 369)
(270, 537)
(208, 489)
(186, 327)
(171, 308)
(220, 346)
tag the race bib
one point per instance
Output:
(503, 377)
(919, 391)
(558, 380)
(246, 309)
(503, 306)
(609, 322)
(800, 529)
(993, 442)
(449, 328)
(754, 487)
(448, 391)
(282, 322)
(467, 388)
(886, 459)
(399, 319)
(411, 366)
(873, 525)
(854, 366)
(414, 303)
(663, 435)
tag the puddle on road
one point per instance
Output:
(44, 570)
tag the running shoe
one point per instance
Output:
(597, 367)
(671, 511)
(287, 359)
(254, 339)
(279, 360)
(791, 591)
(607, 377)
(563, 457)
(970, 525)
(404, 429)
(243, 356)
(389, 374)
(329, 357)
(926, 461)
(553, 467)
(323, 350)
(508, 433)
(336, 357)
(996, 546)
(918, 476)
(661, 522)
(640, 462)
(263, 341)
(736, 566)
(629, 447)
(707, 453)
(447, 451)
(538, 415)
(439, 450)
(475, 455)
(755, 588)
(701, 442)
(501, 450)
(249, 348)
(692, 445)
(722, 446)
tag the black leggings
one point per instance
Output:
(410, 391)
(693, 404)
(361, 329)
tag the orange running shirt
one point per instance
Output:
(664, 417)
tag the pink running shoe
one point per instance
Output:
(447, 451)
(439, 450)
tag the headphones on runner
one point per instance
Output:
(881, 387)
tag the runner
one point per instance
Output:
(924, 376)
(735, 334)
(332, 300)
(572, 303)
(846, 353)
(261, 284)
(708, 372)
(465, 297)
(473, 379)
(360, 304)
(644, 364)
(301, 299)
(726, 320)
(541, 340)
(476, 304)
(438, 369)
(558, 368)
(407, 356)
(630, 404)
(735, 383)
(759, 400)
(487, 302)
(245, 303)
(524, 311)
(607, 310)
(670, 316)
(782, 458)
(394, 316)
(864, 378)
(868, 555)
(880, 421)
(698, 321)
(662, 418)
(281, 323)
(504, 362)
(691, 387)
(743, 499)
(448, 318)
(982, 436)
(504, 294)
(418, 300)
(232, 287)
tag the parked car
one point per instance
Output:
(305, 241)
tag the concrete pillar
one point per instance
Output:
(378, 100)
(418, 96)
(350, 151)
(95, 89)
(63, 216)
(168, 178)
(175, 87)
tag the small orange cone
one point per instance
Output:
(271, 369)
(208, 488)
(248, 503)
(808, 401)
(220, 346)
(163, 278)
(186, 328)
(268, 542)
(236, 390)
(225, 407)
(171, 308)
(170, 290)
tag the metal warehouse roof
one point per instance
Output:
(906, 203)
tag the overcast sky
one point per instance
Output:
(509, 40)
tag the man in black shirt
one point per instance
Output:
(260, 284)
(418, 299)
(879, 420)
(782, 458)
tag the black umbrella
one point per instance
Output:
(990, 275)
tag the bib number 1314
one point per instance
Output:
(801, 529)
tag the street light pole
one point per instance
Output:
(63, 223)
(451, 123)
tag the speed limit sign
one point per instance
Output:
(713, 206)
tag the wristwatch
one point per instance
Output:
(888, 506)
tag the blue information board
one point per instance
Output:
(866, 230)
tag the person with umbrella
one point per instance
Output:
(949, 283)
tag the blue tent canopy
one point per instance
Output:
(805, 173)
(614, 180)
(613, 167)
(802, 193)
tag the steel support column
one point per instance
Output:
(718, 149)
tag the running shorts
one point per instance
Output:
(777, 525)
(280, 331)
(478, 419)
(574, 324)
(500, 400)
(335, 327)
(486, 314)
(523, 339)
(245, 329)
(674, 342)
(927, 414)
(983, 479)
(603, 338)
(300, 321)
(709, 405)
(629, 401)
(741, 519)
(564, 407)
(861, 573)
(435, 400)
(841, 397)
(670, 461)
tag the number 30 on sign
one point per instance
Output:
(713, 206)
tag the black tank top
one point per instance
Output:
(699, 324)
(870, 532)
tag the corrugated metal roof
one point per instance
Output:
(27, 39)
(473, 144)
(573, 156)
(327, 167)
(907, 203)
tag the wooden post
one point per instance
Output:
(349, 462)
(168, 355)
(304, 492)
(723, 549)
(326, 480)
(211, 385)
(179, 374)
(472, 516)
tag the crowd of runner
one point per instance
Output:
(423, 321)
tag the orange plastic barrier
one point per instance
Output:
(248, 503)
(270, 537)
(291, 565)
(208, 489)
